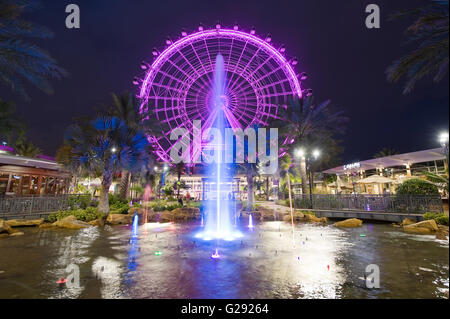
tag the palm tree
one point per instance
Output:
(107, 146)
(26, 148)
(430, 30)
(385, 152)
(306, 124)
(441, 181)
(19, 59)
(8, 123)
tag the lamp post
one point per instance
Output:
(443, 140)
(309, 158)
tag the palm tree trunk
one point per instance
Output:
(303, 175)
(250, 194)
(267, 188)
(103, 205)
(125, 184)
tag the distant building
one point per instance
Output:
(32, 176)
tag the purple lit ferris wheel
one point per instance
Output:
(176, 89)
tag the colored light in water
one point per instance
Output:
(158, 253)
(250, 221)
(363, 235)
(216, 254)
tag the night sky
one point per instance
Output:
(345, 62)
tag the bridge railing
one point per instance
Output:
(25, 206)
(371, 203)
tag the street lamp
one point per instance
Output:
(114, 150)
(443, 140)
(309, 157)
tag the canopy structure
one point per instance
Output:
(406, 159)
(376, 179)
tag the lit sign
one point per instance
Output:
(352, 166)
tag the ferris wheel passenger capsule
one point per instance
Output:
(183, 33)
(168, 41)
(236, 27)
(155, 52)
(200, 27)
(145, 66)
(294, 61)
(136, 81)
(303, 76)
(218, 26)
(282, 48)
(253, 31)
(268, 38)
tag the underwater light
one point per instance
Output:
(216, 254)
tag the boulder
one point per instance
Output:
(5, 235)
(407, 222)
(5, 228)
(441, 236)
(135, 210)
(46, 225)
(425, 227)
(70, 222)
(350, 223)
(314, 219)
(166, 216)
(24, 222)
(97, 222)
(16, 234)
(119, 219)
(186, 213)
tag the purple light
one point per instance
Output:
(216, 254)
(181, 75)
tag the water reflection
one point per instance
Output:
(123, 262)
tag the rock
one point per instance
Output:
(350, 223)
(314, 219)
(119, 219)
(5, 228)
(16, 234)
(441, 236)
(135, 210)
(186, 213)
(46, 225)
(425, 227)
(97, 222)
(407, 222)
(70, 222)
(166, 216)
(24, 222)
(5, 235)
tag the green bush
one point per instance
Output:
(79, 201)
(114, 199)
(417, 186)
(87, 215)
(440, 219)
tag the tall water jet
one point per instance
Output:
(219, 217)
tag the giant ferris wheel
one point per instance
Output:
(176, 87)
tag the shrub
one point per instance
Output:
(79, 201)
(119, 208)
(440, 219)
(417, 187)
(86, 215)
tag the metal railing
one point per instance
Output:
(23, 206)
(371, 203)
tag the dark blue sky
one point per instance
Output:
(344, 60)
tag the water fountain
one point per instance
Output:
(218, 222)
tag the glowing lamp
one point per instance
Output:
(218, 26)
(155, 52)
(443, 138)
(282, 49)
(300, 152)
(145, 66)
(294, 61)
(136, 81)
(236, 27)
(168, 41)
(253, 31)
(268, 38)
(316, 153)
(183, 33)
(200, 27)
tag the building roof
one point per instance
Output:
(29, 162)
(431, 155)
